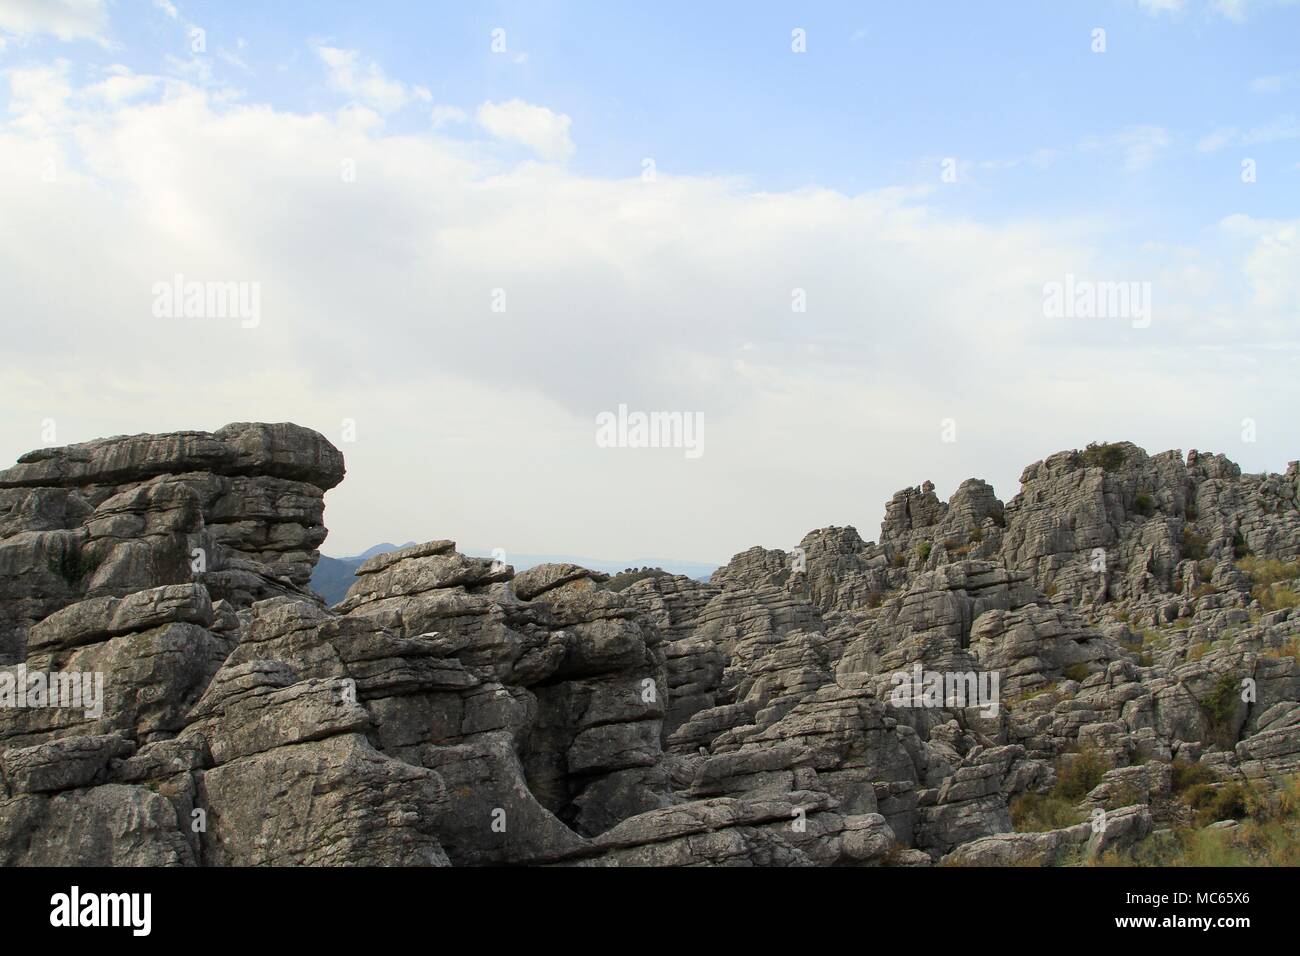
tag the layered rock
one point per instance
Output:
(451, 711)
(240, 510)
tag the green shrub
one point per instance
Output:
(1290, 649)
(923, 550)
(1106, 455)
(1229, 801)
(1139, 648)
(1267, 571)
(1193, 544)
(1038, 813)
(1220, 707)
(1239, 548)
(1076, 777)
(1077, 672)
(1187, 775)
(1144, 505)
(1035, 692)
(1268, 834)
(1276, 598)
(630, 576)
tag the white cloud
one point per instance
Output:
(168, 8)
(366, 82)
(1217, 140)
(544, 132)
(1157, 7)
(1240, 10)
(38, 97)
(445, 115)
(669, 295)
(65, 19)
(1237, 11)
(122, 84)
(1232, 9)
(1281, 130)
(196, 69)
(1140, 146)
(234, 57)
(1038, 159)
(1272, 264)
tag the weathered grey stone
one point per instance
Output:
(99, 619)
(63, 764)
(112, 825)
(335, 801)
(546, 577)
(451, 711)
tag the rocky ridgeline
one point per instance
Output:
(452, 711)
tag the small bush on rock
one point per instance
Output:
(1219, 709)
(1267, 571)
(1187, 775)
(1105, 455)
(1077, 672)
(630, 576)
(1276, 597)
(1038, 813)
(1079, 773)
(1193, 545)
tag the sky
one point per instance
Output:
(463, 233)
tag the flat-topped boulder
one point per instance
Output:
(282, 450)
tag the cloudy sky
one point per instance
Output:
(473, 228)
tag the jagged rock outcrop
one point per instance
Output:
(240, 509)
(171, 693)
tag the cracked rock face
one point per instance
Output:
(240, 509)
(452, 712)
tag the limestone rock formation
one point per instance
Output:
(240, 509)
(171, 691)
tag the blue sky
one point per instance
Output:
(883, 94)
(522, 169)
